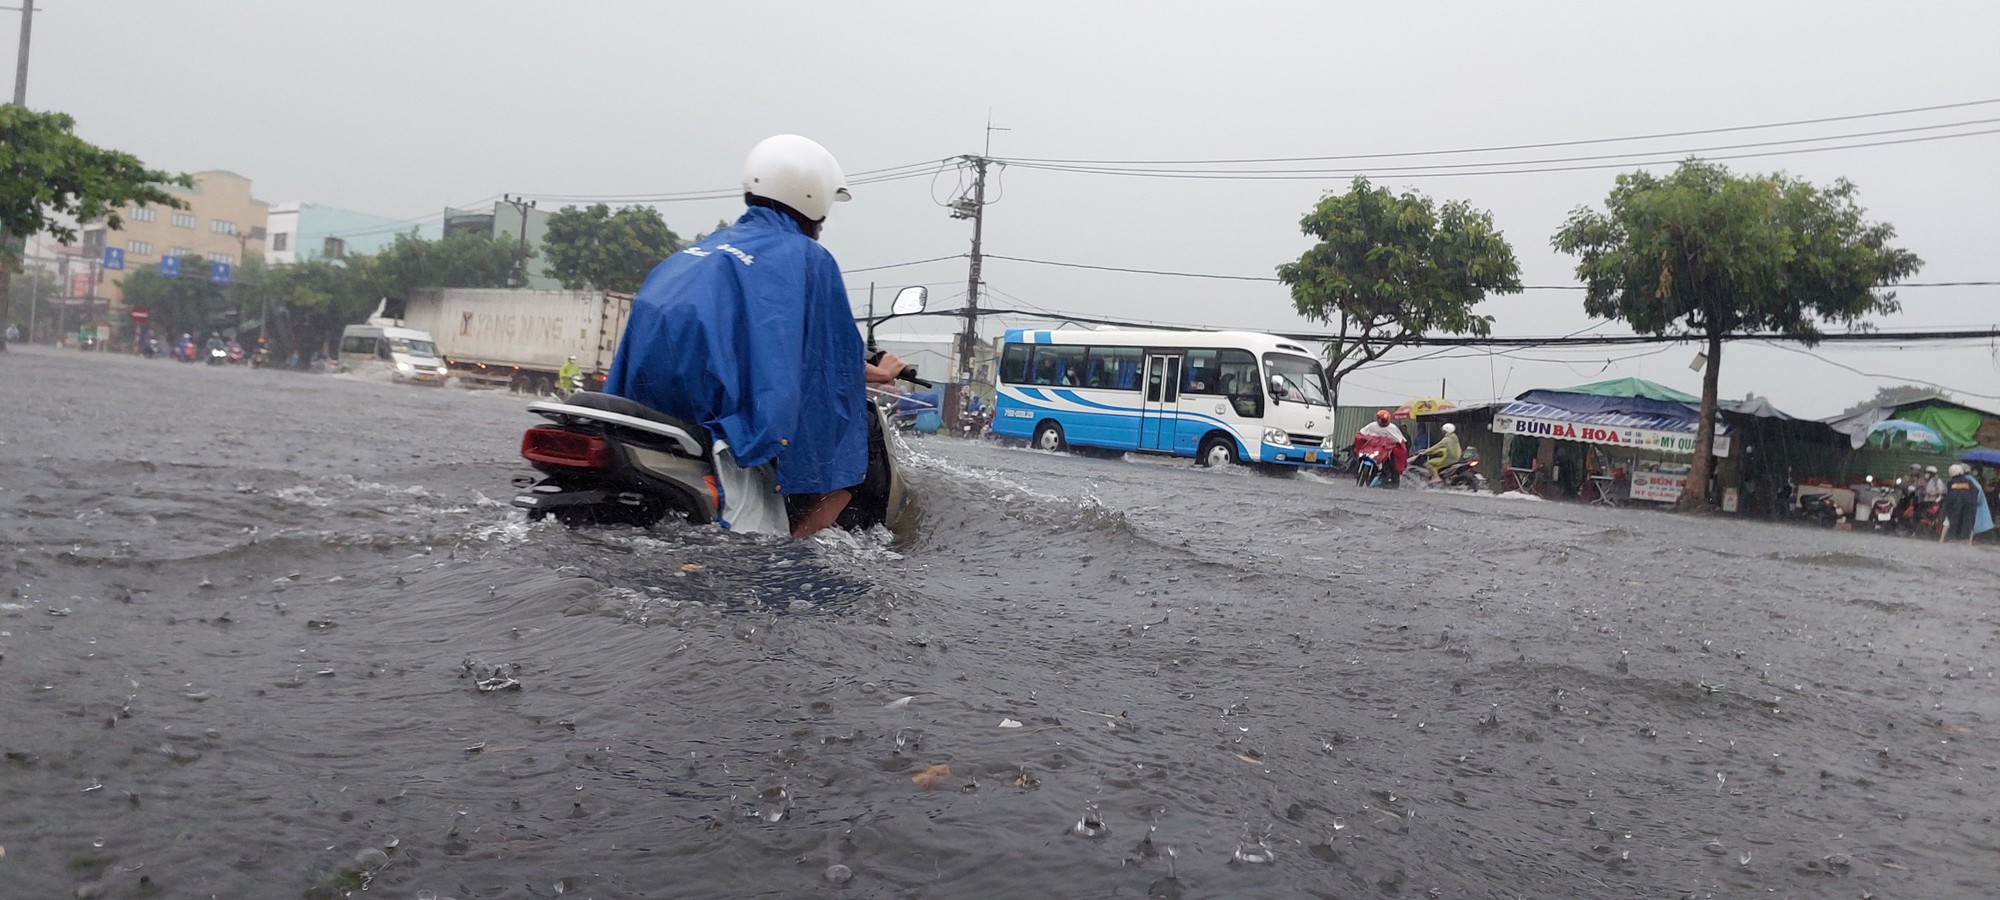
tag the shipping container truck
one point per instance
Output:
(519, 338)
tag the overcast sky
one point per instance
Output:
(399, 108)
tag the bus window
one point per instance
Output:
(1014, 364)
(1114, 368)
(1173, 378)
(1059, 365)
(1239, 382)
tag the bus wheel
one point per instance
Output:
(1216, 450)
(1049, 436)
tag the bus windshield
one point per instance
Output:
(1300, 377)
(413, 348)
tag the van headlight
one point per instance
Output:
(405, 367)
(442, 370)
(1278, 437)
(1327, 443)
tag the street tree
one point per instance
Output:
(1705, 253)
(189, 304)
(1390, 269)
(467, 259)
(50, 178)
(594, 247)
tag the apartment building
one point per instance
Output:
(222, 223)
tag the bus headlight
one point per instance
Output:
(1277, 436)
(1327, 443)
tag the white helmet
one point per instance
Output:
(797, 172)
(1450, 428)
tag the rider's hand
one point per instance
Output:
(885, 370)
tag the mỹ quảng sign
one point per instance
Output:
(1679, 442)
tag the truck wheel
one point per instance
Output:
(1049, 436)
(1216, 450)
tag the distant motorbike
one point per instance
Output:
(217, 356)
(1464, 473)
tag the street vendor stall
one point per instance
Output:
(1620, 440)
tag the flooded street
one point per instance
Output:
(277, 635)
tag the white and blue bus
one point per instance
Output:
(1219, 397)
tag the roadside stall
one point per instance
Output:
(1608, 443)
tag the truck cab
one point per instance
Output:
(406, 354)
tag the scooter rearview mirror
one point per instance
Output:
(910, 301)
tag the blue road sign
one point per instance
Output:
(114, 257)
(170, 266)
(218, 273)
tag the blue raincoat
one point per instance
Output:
(749, 333)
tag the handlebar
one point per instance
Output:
(908, 374)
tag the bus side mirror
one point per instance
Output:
(1277, 387)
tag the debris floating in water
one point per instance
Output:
(931, 777)
(899, 704)
(1009, 723)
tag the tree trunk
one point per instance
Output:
(1694, 494)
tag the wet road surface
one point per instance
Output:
(247, 618)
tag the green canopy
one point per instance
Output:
(1956, 424)
(1633, 387)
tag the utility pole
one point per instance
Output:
(21, 63)
(521, 205)
(21, 100)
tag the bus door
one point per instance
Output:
(1163, 387)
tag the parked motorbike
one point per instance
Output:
(1819, 509)
(608, 460)
(1882, 508)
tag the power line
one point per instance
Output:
(1128, 170)
(914, 262)
(1273, 278)
(1856, 371)
(1535, 146)
(1419, 172)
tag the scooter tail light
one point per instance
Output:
(555, 446)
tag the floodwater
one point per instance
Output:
(277, 635)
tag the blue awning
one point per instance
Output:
(1651, 421)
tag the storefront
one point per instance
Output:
(1611, 442)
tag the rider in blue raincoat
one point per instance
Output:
(748, 333)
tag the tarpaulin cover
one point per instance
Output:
(1956, 425)
(749, 333)
(1682, 421)
(1632, 387)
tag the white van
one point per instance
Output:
(407, 354)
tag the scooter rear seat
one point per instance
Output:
(612, 403)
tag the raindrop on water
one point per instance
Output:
(838, 874)
(1339, 823)
(97, 842)
(371, 859)
(774, 804)
(1091, 825)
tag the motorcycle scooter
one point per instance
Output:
(608, 460)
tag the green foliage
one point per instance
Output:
(594, 247)
(1707, 253)
(1391, 269)
(1704, 251)
(188, 304)
(461, 259)
(48, 175)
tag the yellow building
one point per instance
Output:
(221, 224)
